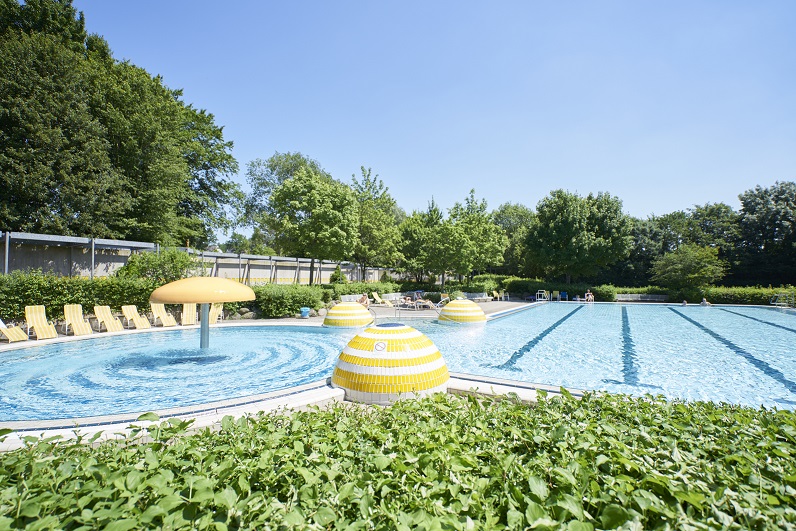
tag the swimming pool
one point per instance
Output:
(741, 355)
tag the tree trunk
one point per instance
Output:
(312, 271)
(569, 279)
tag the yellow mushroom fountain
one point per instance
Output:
(203, 291)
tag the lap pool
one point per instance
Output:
(741, 355)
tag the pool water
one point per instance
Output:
(741, 355)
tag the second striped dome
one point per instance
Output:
(462, 311)
(348, 314)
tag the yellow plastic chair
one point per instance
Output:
(73, 314)
(379, 300)
(188, 316)
(106, 317)
(159, 312)
(131, 315)
(12, 333)
(36, 318)
(216, 312)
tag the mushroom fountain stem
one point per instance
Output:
(204, 338)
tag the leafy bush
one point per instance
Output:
(604, 462)
(20, 289)
(749, 295)
(281, 300)
(167, 266)
(604, 293)
(337, 276)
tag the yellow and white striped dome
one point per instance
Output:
(388, 361)
(348, 314)
(462, 311)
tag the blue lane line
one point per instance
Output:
(509, 364)
(759, 320)
(629, 371)
(770, 371)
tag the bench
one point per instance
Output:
(640, 297)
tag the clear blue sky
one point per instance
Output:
(664, 104)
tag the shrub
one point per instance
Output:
(20, 289)
(443, 462)
(745, 295)
(337, 276)
(167, 266)
(281, 300)
(357, 288)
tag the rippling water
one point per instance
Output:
(725, 354)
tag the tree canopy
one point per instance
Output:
(91, 146)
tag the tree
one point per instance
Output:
(486, 241)
(166, 266)
(378, 233)
(768, 234)
(314, 216)
(417, 232)
(451, 250)
(515, 220)
(687, 267)
(54, 163)
(264, 176)
(576, 236)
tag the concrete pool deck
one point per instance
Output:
(316, 394)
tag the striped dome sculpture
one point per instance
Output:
(390, 361)
(348, 315)
(462, 311)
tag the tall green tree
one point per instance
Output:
(417, 239)
(314, 216)
(768, 234)
(486, 241)
(690, 266)
(55, 168)
(379, 236)
(515, 220)
(576, 236)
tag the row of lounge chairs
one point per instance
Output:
(38, 326)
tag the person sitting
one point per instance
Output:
(589, 296)
(704, 302)
(363, 300)
(424, 303)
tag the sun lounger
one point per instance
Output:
(131, 315)
(216, 312)
(380, 301)
(160, 314)
(36, 318)
(106, 317)
(188, 316)
(73, 316)
(12, 333)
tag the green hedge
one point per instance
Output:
(715, 294)
(20, 289)
(603, 462)
(282, 300)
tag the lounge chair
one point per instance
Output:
(378, 300)
(106, 317)
(73, 316)
(216, 312)
(556, 296)
(188, 316)
(36, 318)
(131, 315)
(12, 333)
(159, 313)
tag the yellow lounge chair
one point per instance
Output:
(131, 315)
(73, 314)
(379, 300)
(216, 312)
(13, 333)
(159, 312)
(188, 316)
(106, 317)
(36, 318)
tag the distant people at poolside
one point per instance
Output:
(363, 300)
(589, 296)
(685, 303)
(704, 302)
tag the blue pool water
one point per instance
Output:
(740, 355)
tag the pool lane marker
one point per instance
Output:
(759, 320)
(770, 371)
(629, 370)
(509, 364)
